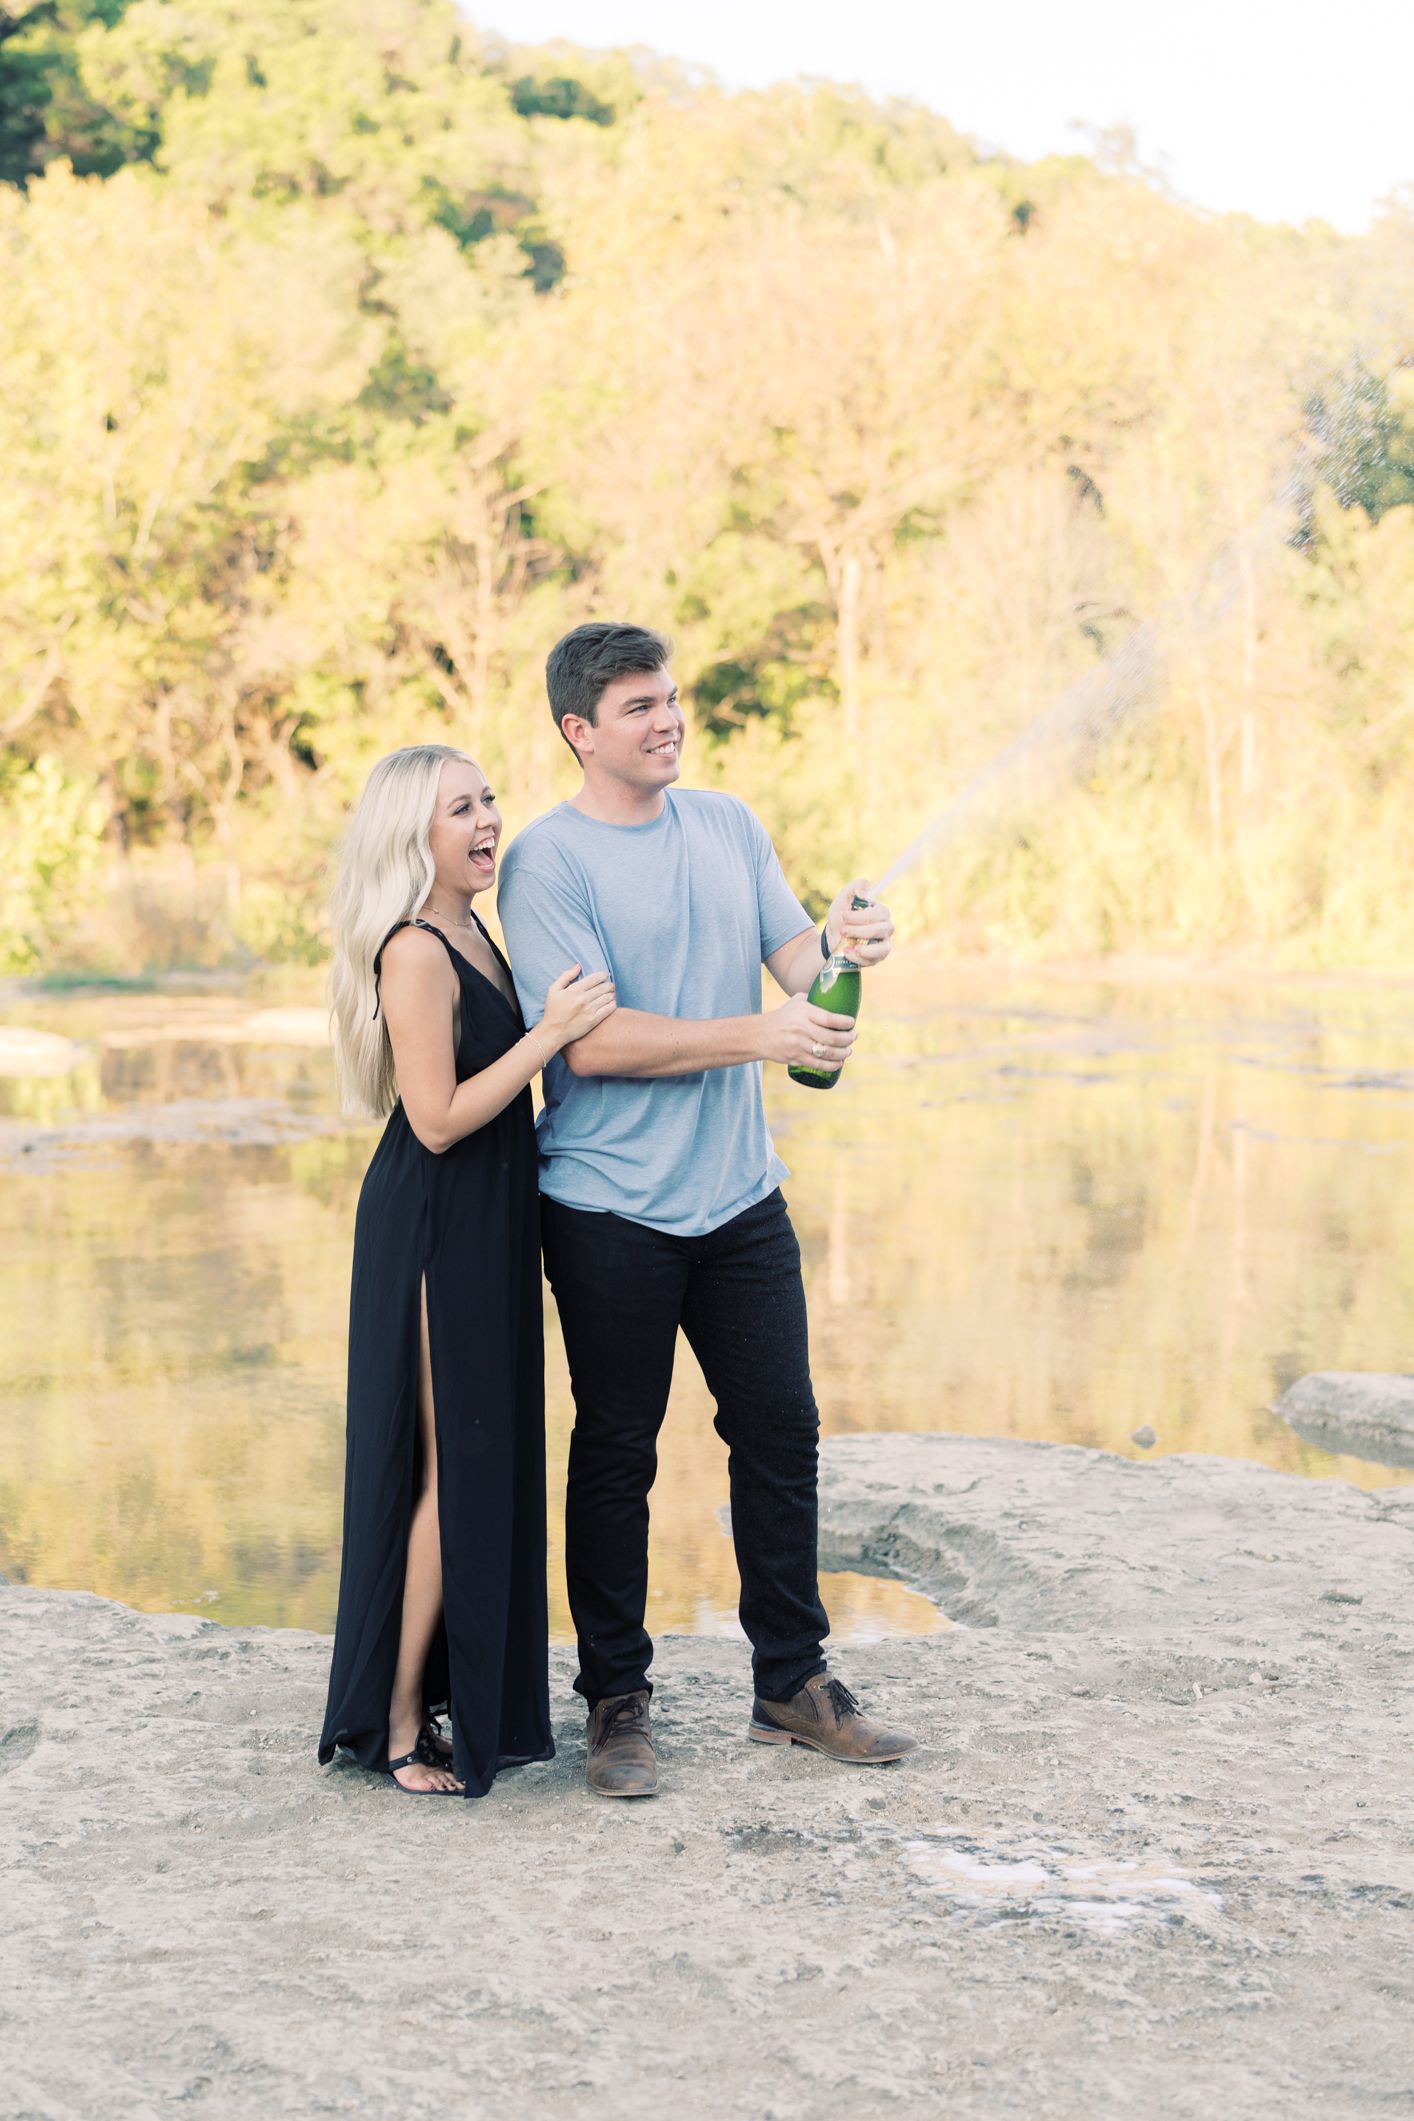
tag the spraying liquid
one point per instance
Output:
(1344, 435)
(1346, 432)
(1063, 741)
(836, 986)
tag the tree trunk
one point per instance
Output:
(848, 638)
(1212, 755)
(1247, 758)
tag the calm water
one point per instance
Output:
(1034, 1208)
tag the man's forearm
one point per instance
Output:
(802, 960)
(632, 1042)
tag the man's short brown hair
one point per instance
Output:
(581, 664)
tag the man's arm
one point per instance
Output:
(634, 1043)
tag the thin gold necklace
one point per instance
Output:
(437, 914)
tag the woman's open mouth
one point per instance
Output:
(483, 856)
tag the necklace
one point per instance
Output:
(437, 914)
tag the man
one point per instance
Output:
(660, 1187)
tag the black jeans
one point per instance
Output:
(623, 1290)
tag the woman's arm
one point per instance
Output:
(420, 992)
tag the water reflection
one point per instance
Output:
(1034, 1208)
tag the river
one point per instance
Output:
(1036, 1207)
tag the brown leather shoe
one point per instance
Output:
(621, 1760)
(826, 1715)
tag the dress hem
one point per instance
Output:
(330, 1747)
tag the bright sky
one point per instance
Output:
(1283, 111)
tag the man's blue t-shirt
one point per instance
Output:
(682, 912)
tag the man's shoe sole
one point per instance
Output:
(594, 1787)
(768, 1734)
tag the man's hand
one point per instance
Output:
(804, 1037)
(864, 935)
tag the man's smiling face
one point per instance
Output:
(636, 736)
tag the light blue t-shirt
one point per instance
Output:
(682, 912)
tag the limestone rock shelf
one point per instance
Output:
(1039, 1536)
(1157, 1852)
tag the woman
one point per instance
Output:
(442, 1597)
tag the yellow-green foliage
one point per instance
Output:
(51, 832)
(367, 371)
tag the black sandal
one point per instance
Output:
(416, 1758)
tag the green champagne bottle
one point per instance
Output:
(836, 987)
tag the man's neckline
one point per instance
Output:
(608, 825)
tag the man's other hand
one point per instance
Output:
(806, 1037)
(864, 935)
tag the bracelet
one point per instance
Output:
(544, 1063)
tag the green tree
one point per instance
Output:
(46, 110)
(348, 357)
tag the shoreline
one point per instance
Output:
(915, 954)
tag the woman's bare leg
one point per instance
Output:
(422, 1591)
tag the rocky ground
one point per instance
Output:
(1156, 1857)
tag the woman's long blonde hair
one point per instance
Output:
(385, 874)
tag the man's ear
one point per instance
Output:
(578, 734)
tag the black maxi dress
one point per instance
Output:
(469, 1220)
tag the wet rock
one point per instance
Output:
(1359, 1413)
(1146, 1436)
(250, 1122)
(26, 1052)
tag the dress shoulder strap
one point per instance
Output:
(499, 955)
(428, 929)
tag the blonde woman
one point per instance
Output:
(442, 1596)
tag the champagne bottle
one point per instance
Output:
(836, 987)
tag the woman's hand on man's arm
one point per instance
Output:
(574, 1007)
